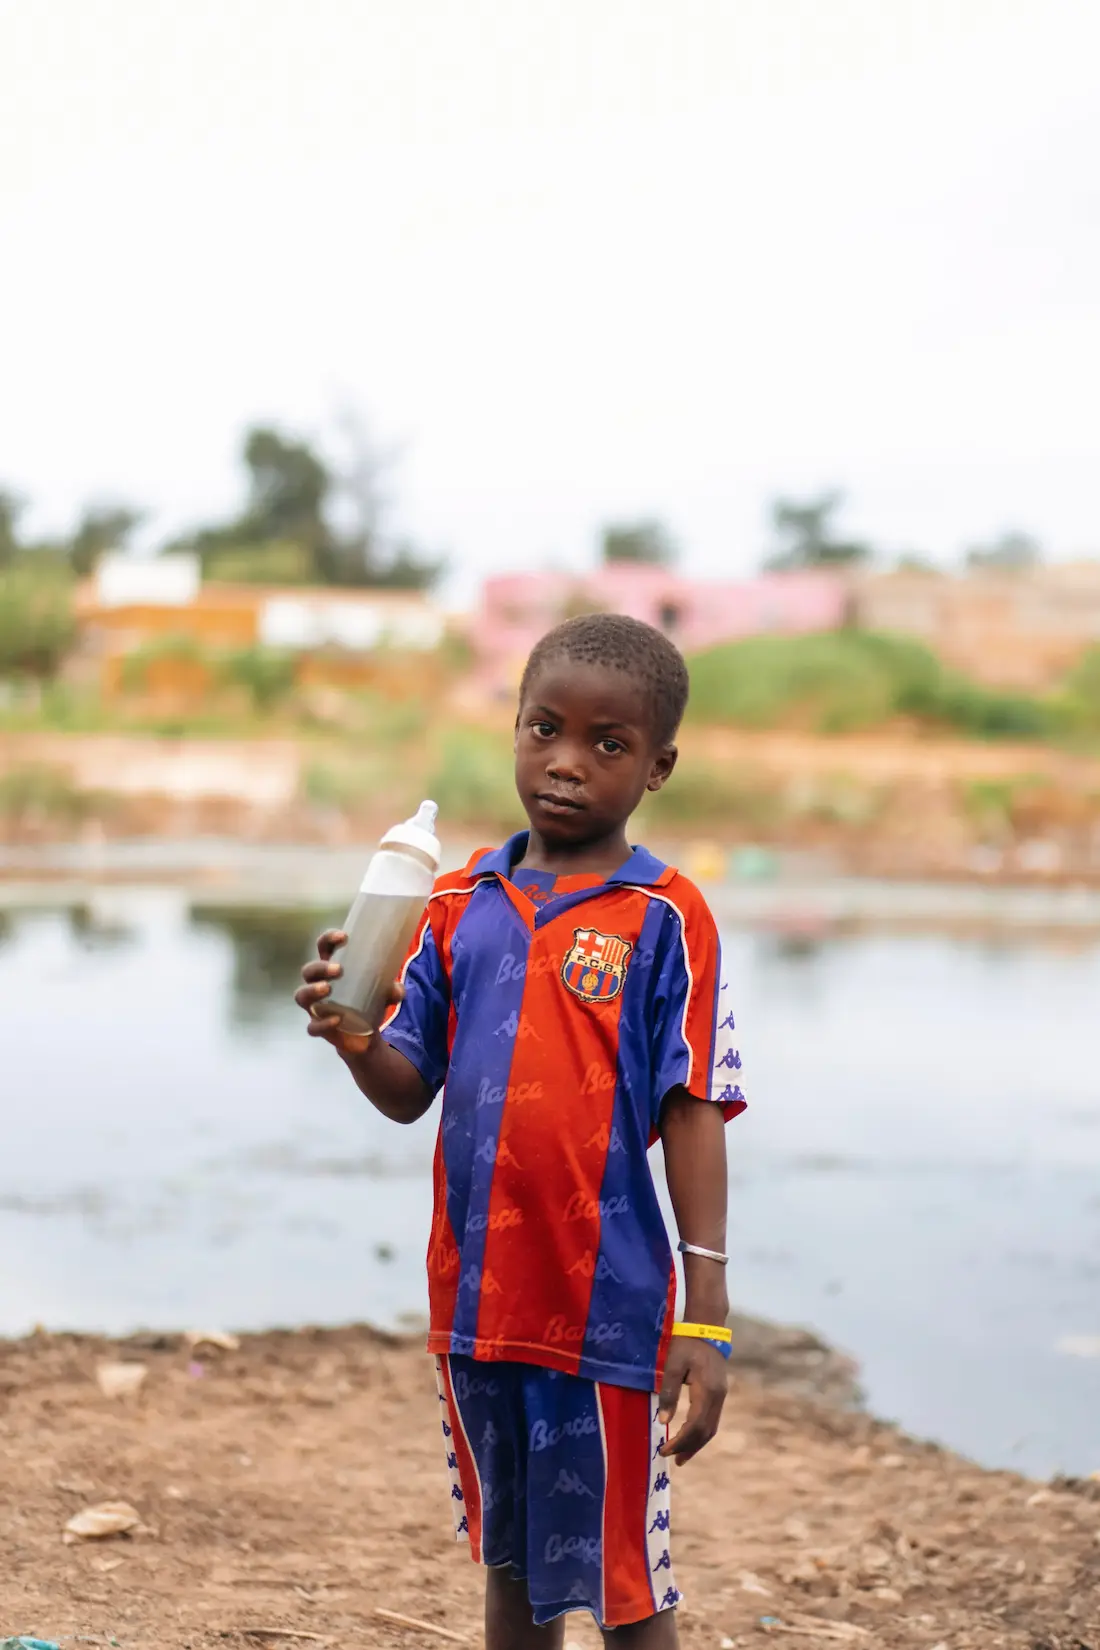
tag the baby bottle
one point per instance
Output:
(383, 919)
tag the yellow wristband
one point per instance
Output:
(703, 1331)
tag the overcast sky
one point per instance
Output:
(581, 258)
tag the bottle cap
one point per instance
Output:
(417, 832)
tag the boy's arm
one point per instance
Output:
(693, 1137)
(389, 1080)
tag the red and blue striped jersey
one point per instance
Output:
(555, 1030)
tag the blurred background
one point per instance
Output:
(347, 349)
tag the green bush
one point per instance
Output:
(36, 788)
(136, 665)
(701, 793)
(1083, 690)
(473, 780)
(841, 681)
(277, 562)
(266, 673)
(36, 620)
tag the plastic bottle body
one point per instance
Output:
(380, 926)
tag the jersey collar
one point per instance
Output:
(642, 869)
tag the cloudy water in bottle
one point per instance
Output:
(383, 919)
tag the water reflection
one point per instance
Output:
(97, 929)
(916, 1176)
(269, 946)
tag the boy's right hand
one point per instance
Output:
(310, 995)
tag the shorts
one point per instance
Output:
(559, 1480)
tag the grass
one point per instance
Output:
(472, 780)
(846, 681)
(36, 790)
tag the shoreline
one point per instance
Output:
(291, 1484)
(802, 901)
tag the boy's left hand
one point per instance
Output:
(703, 1369)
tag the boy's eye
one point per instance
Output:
(544, 730)
(611, 747)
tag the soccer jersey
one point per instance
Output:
(556, 1029)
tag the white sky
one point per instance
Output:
(582, 258)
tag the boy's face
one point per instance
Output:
(585, 751)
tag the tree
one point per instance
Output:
(362, 551)
(102, 527)
(1012, 552)
(647, 543)
(11, 508)
(36, 619)
(297, 501)
(806, 536)
(288, 486)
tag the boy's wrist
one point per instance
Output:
(706, 1307)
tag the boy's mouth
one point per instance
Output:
(555, 803)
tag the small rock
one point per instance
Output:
(219, 1339)
(120, 1380)
(105, 1519)
(751, 1583)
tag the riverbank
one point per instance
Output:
(288, 1489)
(797, 900)
(891, 805)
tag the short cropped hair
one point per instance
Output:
(625, 644)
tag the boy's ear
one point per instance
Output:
(663, 764)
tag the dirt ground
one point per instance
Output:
(291, 1488)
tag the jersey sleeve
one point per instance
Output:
(695, 1039)
(417, 1028)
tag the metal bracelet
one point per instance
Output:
(706, 1254)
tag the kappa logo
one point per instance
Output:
(661, 1522)
(519, 1026)
(492, 1151)
(728, 1024)
(606, 1140)
(594, 967)
(731, 1095)
(731, 1058)
(670, 1600)
(664, 1562)
(588, 1266)
(660, 1482)
(477, 1280)
(571, 1483)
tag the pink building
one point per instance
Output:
(516, 609)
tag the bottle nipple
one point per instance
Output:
(425, 817)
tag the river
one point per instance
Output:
(917, 1177)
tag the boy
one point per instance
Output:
(565, 993)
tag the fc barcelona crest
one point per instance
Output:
(595, 965)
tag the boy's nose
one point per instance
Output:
(566, 765)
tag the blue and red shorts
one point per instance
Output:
(559, 1480)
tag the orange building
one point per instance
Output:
(161, 606)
